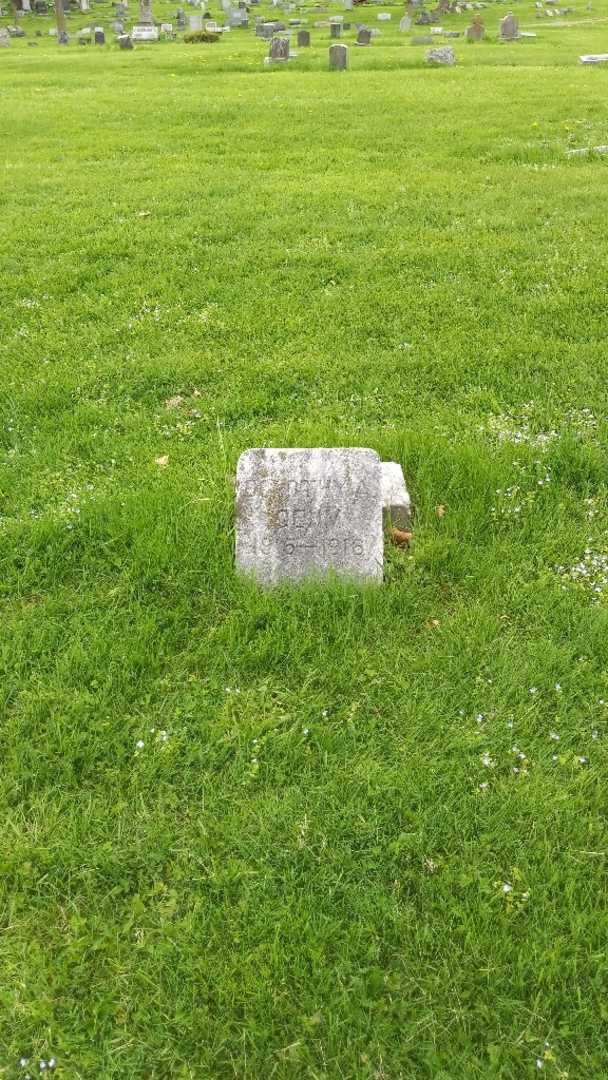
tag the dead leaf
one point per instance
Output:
(196, 393)
(400, 537)
(143, 213)
(441, 511)
(174, 402)
(162, 462)
(432, 624)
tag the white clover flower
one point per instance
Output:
(554, 736)
(305, 731)
(507, 888)
(558, 687)
(487, 760)
(140, 744)
(533, 689)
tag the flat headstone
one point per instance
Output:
(443, 57)
(422, 39)
(338, 57)
(594, 58)
(309, 513)
(144, 33)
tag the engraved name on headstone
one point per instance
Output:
(309, 513)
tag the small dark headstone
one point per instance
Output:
(364, 36)
(303, 39)
(125, 42)
(335, 30)
(100, 37)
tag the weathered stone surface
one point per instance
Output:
(405, 24)
(309, 513)
(441, 57)
(364, 36)
(338, 57)
(335, 30)
(509, 28)
(303, 39)
(279, 50)
(396, 503)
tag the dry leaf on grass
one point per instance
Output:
(400, 537)
(162, 461)
(174, 402)
(441, 511)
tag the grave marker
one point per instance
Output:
(309, 513)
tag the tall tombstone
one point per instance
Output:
(303, 39)
(279, 50)
(309, 514)
(335, 30)
(364, 36)
(85, 5)
(338, 57)
(195, 22)
(476, 31)
(509, 28)
(405, 24)
(146, 17)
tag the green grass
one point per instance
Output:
(304, 877)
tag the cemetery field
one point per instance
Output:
(324, 832)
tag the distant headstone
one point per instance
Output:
(144, 33)
(338, 57)
(5, 40)
(476, 31)
(309, 513)
(335, 30)
(181, 20)
(279, 50)
(384, 16)
(117, 26)
(85, 5)
(26, 6)
(303, 39)
(423, 19)
(441, 57)
(364, 36)
(100, 37)
(509, 28)
(405, 24)
(422, 39)
(125, 42)
(146, 17)
(195, 22)
(594, 58)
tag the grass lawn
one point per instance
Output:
(323, 832)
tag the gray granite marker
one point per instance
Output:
(308, 514)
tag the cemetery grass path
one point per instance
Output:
(329, 832)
